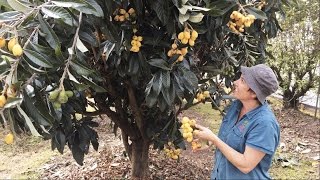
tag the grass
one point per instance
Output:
(22, 159)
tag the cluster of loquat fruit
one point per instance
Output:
(174, 50)
(124, 15)
(187, 128)
(136, 43)
(185, 37)
(238, 21)
(171, 151)
(188, 36)
(13, 46)
(203, 95)
(58, 97)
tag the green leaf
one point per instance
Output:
(157, 83)
(211, 69)
(149, 86)
(12, 102)
(4, 65)
(256, 12)
(160, 63)
(58, 13)
(93, 85)
(50, 35)
(166, 79)
(88, 36)
(162, 9)
(28, 122)
(9, 16)
(37, 58)
(39, 113)
(19, 6)
(87, 7)
(80, 68)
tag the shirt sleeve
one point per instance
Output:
(264, 137)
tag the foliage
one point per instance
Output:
(114, 56)
(296, 52)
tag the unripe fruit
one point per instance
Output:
(9, 138)
(2, 42)
(62, 98)
(53, 95)
(126, 15)
(3, 101)
(56, 105)
(17, 50)
(11, 43)
(69, 93)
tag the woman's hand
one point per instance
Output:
(204, 133)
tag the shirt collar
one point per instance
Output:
(251, 113)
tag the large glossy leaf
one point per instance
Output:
(108, 48)
(37, 58)
(166, 79)
(28, 122)
(151, 98)
(93, 85)
(36, 113)
(160, 63)
(256, 12)
(12, 102)
(157, 83)
(19, 6)
(50, 35)
(58, 13)
(60, 138)
(4, 65)
(80, 68)
(87, 7)
(162, 9)
(9, 16)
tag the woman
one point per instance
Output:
(249, 133)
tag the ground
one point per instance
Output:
(32, 158)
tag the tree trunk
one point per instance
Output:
(140, 159)
(290, 100)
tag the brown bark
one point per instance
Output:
(140, 159)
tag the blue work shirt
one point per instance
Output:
(258, 129)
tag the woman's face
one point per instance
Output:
(241, 90)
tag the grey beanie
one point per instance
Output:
(261, 80)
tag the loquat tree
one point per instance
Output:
(137, 62)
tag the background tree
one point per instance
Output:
(136, 60)
(296, 52)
